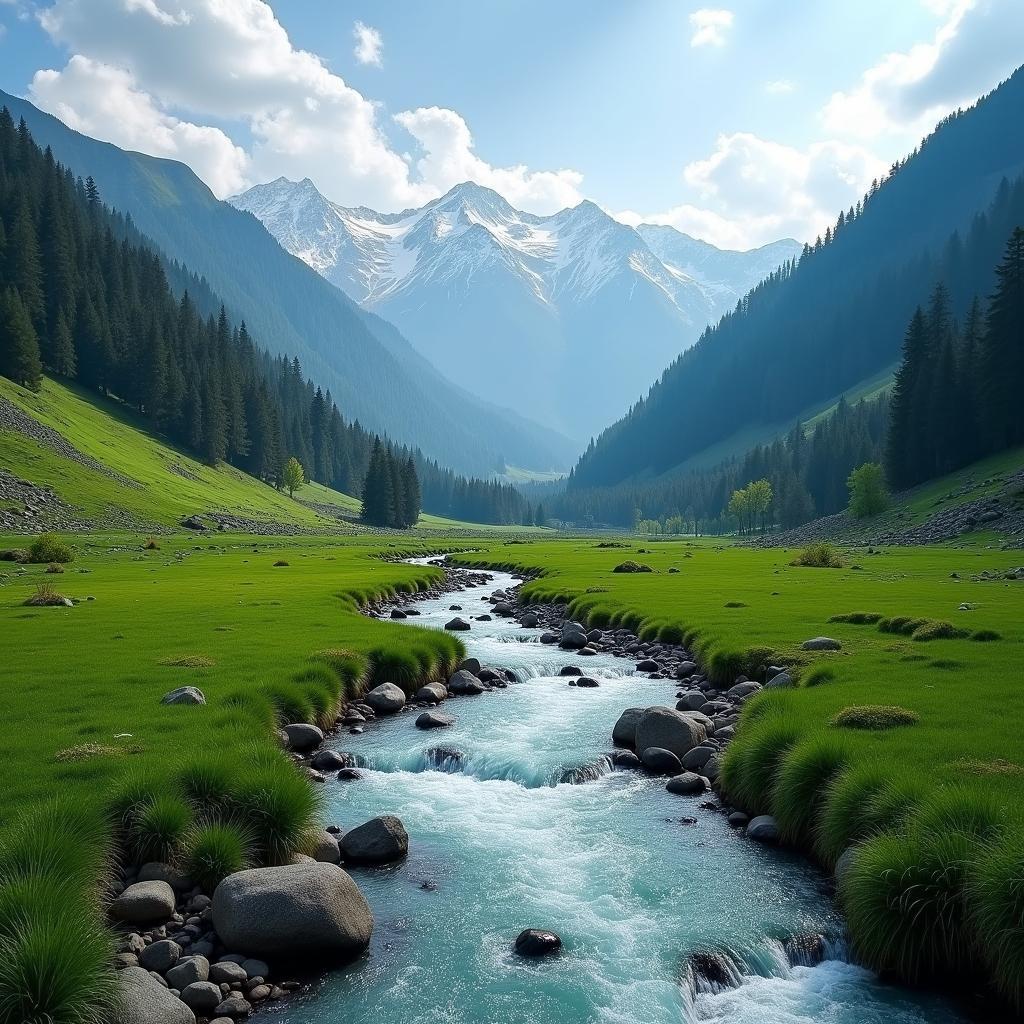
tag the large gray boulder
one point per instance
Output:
(377, 841)
(458, 624)
(293, 910)
(325, 848)
(141, 999)
(624, 730)
(187, 970)
(184, 695)
(303, 737)
(432, 693)
(434, 720)
(202, 996)
(386, 699)
(464, 683)
(660, 760)
(144, 902)
(669, 729)
(687, 784)
(763, 829)
(160, 956)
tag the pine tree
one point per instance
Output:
(411, 493)
(899, 450)
(19, 346)
(540, 518)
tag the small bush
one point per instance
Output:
(158, 827)
(55, 568)
(936, 629)
(46, 596)
(279, 805)
(14, 555)
(875, 717)
(985, 636)
(48, 547)
(804, 777)
(188, 661)
(630, 566)
(152, 544)
(858, 618)
(214, 850)
(822, 555)
(818, 676)
(280, 563)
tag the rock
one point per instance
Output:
(463, 682)
(692, 700)
(184, 695)
(626, 759)
(349, 775)
(328, 761)
(502, 608)
(325, 849)
(660, 760)
(187, 970)
(687, 784)
(780, 681)
(586, 682)
(471, 665)
(157, 871)
(483, 618)
(712, 767)
(256, 968)
(535, 942)
(742, 690)
(548, 638)
(293, 910)
(434, 720)
(303, 737)
(821, 643)
(432, 693)
(570, 670)
(193, 523)
(648, 665)
(201, 996)
(694, 760)
(141, 999)
(144, 902)
(670, 729)
(529, 620)
(227, 972)
(160, 956)
(738, 819)
(763, 829)
(490, 675)
(397, 614)
(458, 624)
(685, 669)
(377, 841)
(235, 1005)
(624, 730)
(572, 641)
(386, 699)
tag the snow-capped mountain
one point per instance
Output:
(570, 316)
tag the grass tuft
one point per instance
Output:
(158, 827)
(804, 776)
(213, 850)
(188, 661)
(875, 717)
(46, 595)
(858, 618)
(821, 555)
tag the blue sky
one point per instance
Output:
(736, 121)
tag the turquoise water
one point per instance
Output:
(499, 844)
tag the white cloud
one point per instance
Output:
(753, 190)
(232, 61)
(103, 101)
(710, 26)
(369, 45)
(978, 43)
(779, 87)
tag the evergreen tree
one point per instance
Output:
(411, 494)
(19, 346)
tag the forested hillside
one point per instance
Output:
(371, 370)
(84, 295)
(835, 316)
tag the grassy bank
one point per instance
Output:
(903, 745)
(269, 630)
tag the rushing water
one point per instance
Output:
(517, 820)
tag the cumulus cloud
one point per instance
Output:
(369, 45)
(779, 87)
(978, 43)
(234, 63)
(710, 26)
(752, 190)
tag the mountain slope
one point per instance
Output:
(372, 371)
(838, 319)
(573, 313)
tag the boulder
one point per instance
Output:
(386, 699)
(141, 999)
(691, 700)
(685, 669)
(434, 720)
(377, 841)
(201, 996)
(529, 620)
(303, 737)
(397, 613)
(586, 682)
(687, 784)
(533, 942)
(160, 956)
(737, 819)
(293, 910)
(624, 730)
(233, 1005)
(463, 682)
(432, 693)
(227, 972)
(648, 665)
(471, 665)
(503, 608)
(570, 670)
(626, 759)
(144, 902)
(329, 760)
(549, 638)
(822, 643)
(458, 624)
(694, 760)
(743, 690)
(660, 760)
(187, 970)
(256, 968)
(573, 641)
(763, 829)
(712, 767)
(669, 729)
(184, 695)
(325, 848)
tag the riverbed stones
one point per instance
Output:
(694, 760)
(465, 683)
(325, 848)
(529, 620)
(431, 693)
(685, 669)
(471, 665)
(660, 760)
(537, 942)
(648, 665)
(743, 690)
(187, 970)
(160, 956)
(624, 730)
(780, 681)
(669, 729)
(691, 700)
(202, 997)
(458, 624)
(233, 1005)
(626, 759)
(434, 720)
(687, 784)
(184, 695)
(380, 840)
(763, 829)
(386, 699)
(712, 767)
(302, 737)
(570, 670)
(144, 902)
(293, 910)
(141, 999)
(328, 760)
(587, 682)
(573, 641)
(821, 643)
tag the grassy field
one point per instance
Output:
(923, 775)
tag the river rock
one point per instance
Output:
(691, 700)
(781, 681)
(227, 972)
(694, 760)
(471, 665)
(712, 767)
(233, 1005)
(397, 613)
(587, 682)
(325, 848)
(160, 956)
(763, 829)
(184, 695)
(377, 841)
(822, 643)
(648, 665)
(534, 942)
(293, 910)
(144, 902)
(502, 608)
(660, 760)
(570, 670)
(626, 759)
(465, 683)
(624, 730)
(303, 737)
(669, 729)
(141, 999)
(743, 690)
(458, 624)
(549, 638)
(687, 784)
(573, 641)
(432, 693)
(529, 620)
(328, 760)
(386, 699)
(201, 996)
(434, 720)
(187, 970)
(685, 669)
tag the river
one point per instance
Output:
(498, 843)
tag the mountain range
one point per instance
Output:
(567, 316)
(374, 374)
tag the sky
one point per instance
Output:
(738, 124)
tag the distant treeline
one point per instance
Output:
(85, 296)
